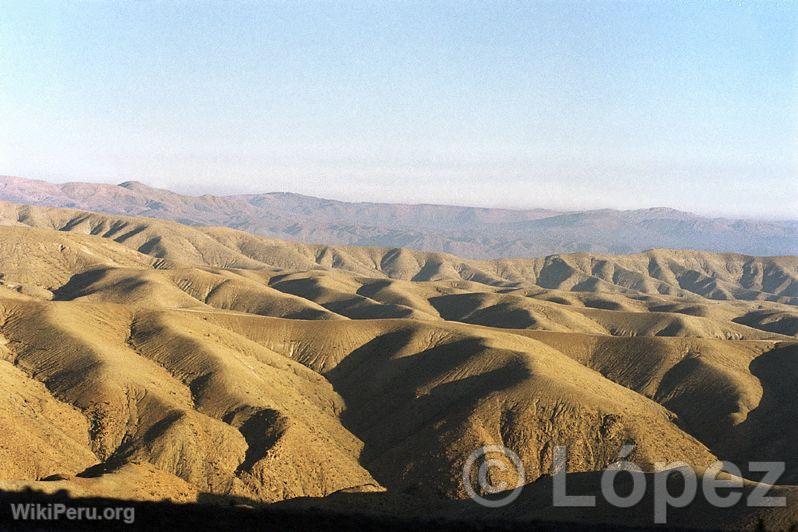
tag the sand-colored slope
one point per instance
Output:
(80, 354)
(128, 286)
(41, 436)
(705, 381)
(94, 269)
(287, 413)
(718, 276)
(228, 414)
(459, 392)
(414, 295)
(422, 396)
(776, 320)
(228, 290)
(187, 288)
(150, 409)
(340, 293)
(156, 238)
(724, 392)
(47, 259)
(196, 362)
(508, 311)
(620, 323)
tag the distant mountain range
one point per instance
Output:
(466, 231)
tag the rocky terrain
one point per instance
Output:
(147, 359)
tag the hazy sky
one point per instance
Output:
(692, 105)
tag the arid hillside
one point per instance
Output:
(145, 359)
(464, 231)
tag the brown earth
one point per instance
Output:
(144, 359)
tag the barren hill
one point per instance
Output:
(465, 231)
(147, 359)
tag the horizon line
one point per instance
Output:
(54, 180)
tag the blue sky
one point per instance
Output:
(692, 105)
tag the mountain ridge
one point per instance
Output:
(472, 232)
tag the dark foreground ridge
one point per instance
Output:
(209, 516)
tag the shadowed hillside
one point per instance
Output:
(151, 360)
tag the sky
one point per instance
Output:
(567, 105)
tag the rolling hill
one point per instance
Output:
(148, 359)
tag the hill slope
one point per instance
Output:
(148, 359)
(465, 231)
